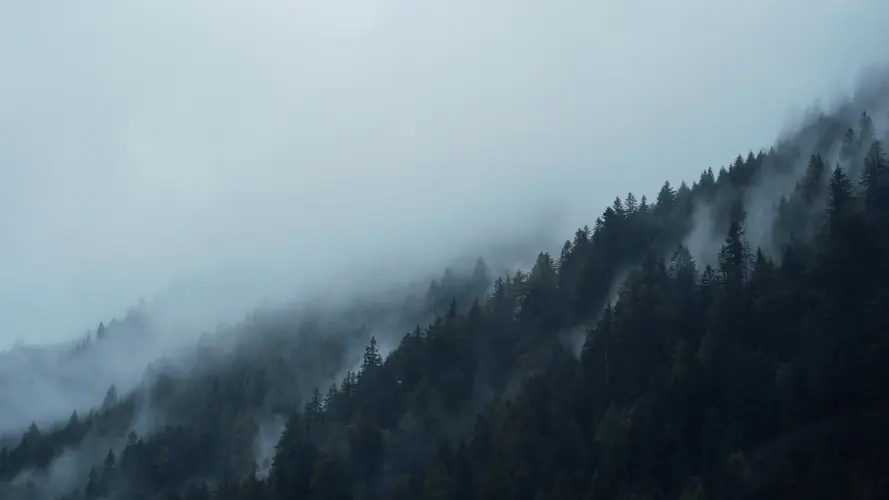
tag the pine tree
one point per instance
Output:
(618, 208)
(812, 181)
(93, 485)
(682, 266)
(666, 197)
(874, 176)
(840, 194)
(866, 133)
(481, 278)
(331, 396)
(291, 471)
(372, 358)
(315, 406)
(734, 256)
(452, 310)
(110, 397)
(849, 147)
(630, 204)
(707, 179)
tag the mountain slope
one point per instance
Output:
(725, 340)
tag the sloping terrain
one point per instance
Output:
(725, 339)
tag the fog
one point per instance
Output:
(820, 132)
(252, 150)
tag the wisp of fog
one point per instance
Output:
(212, 155)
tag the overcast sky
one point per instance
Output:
(145, 142)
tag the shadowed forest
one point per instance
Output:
(723, 339)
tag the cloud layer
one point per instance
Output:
(257, 147)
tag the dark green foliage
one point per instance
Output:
(761, 375)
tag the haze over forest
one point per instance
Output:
(150, 148)
(318, 250)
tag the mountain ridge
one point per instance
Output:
(691, 381)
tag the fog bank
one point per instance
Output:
(256, 148)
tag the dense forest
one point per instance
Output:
(725, 339)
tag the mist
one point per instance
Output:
(818, 132)
(213, 157)
(257, 150)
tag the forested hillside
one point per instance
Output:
(724, 339)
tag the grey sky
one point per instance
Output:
(273, 142)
